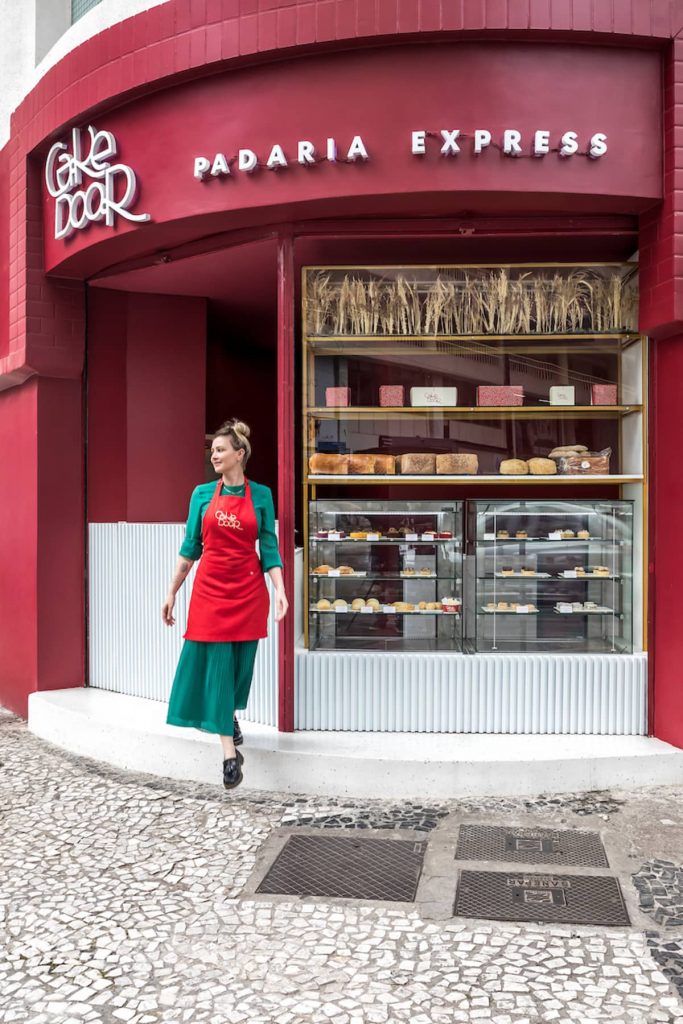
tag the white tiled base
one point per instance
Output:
(131, 733)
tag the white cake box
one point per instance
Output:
(433, 396)
(562, 395)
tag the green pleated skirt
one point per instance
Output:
(212, 681)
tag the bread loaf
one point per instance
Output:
(385, 464)
(323, 462)
(460, 463)
(361, 463)
(420, 463)
(567, 449)
(513, 467)
(542, 467)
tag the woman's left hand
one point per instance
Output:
(281, 605)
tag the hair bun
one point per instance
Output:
(241, 428)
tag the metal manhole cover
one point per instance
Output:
(518, 896)
(531, 846)
(348, 867)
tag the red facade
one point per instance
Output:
(190, 80)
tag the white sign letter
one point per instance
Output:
(570, 144)
(598, 145)
(418, 143)
(511, 140)
(306, 153)
(247, 160)
(332, 150)
(201, 166)
(482, 138)
(450, 146)
(220, 165)
(357, 150)
(541, 143)
(277, 157)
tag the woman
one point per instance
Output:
(229, 605)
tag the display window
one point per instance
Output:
(511, 376)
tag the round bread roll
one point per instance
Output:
(357, 603)
(542, 467)
(322, 570)
(323, 605)
(339, 603)
(513, 467)
(345, 570)
(372, 602)
(567, 449)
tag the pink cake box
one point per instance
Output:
(392, 394)
(337, 397)
(603, 394)
(500, 394)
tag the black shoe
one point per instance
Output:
(232, 770)
(237, 737)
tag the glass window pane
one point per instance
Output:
(81, 7)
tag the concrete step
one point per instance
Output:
(131, 733)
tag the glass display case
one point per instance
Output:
(551, 576)
(385, 575)
(439, 374)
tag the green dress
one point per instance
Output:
(213, 680)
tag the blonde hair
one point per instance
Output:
(238, 432)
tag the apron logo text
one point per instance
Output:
(228, 520)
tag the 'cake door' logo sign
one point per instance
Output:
(87, 185)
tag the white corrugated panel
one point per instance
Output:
(517, 693)
(131, 650)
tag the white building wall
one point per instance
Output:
(33, 28)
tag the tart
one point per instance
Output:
(358, 535)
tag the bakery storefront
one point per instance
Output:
(438, 311)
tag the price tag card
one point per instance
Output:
(570, 574)
(342, 610)
(411, 536)
(388, 610)
(489, 536)
(367, 611)
(373, 536)
(333, 572)
(522, 610)
(333, 536)
(566, 611)
(428, 536)
(555, 535)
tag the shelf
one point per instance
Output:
(469, 412)
(548, 540)
(560, 479)
(379, 577)
(384, 540)
(432, 611)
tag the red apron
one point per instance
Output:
(229, 598)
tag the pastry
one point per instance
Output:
(429, 533)
(361, 464)
(600, 570)
(507, 571)
(503, 535)
(322, 462)
(521, 535)
(385, 465)
(424, 571)
(583, 534)
(339, 603)
(568, 535)
(532, 607)
(542, 467)
(321, 534)
(527, 572)
(513, 467)
(323, 605)
(402, 606)
(337, 397)
(391, 395)
(357, 603)
(419, 463)
(346, 570)
(373, 603)
(408, 572)
(434, 606)
(358, 535)
(514, 604)
(461, 464)
(444, 535)
(392, 532)
(579, 570)
(503, 606)
(322, 570)
(422, 605)
(450, 604)
(491, 605)
(567, 449)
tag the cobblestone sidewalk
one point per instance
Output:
(120, 901)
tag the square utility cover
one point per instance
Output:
(521, 896)
(531, 845)
(346, 867)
